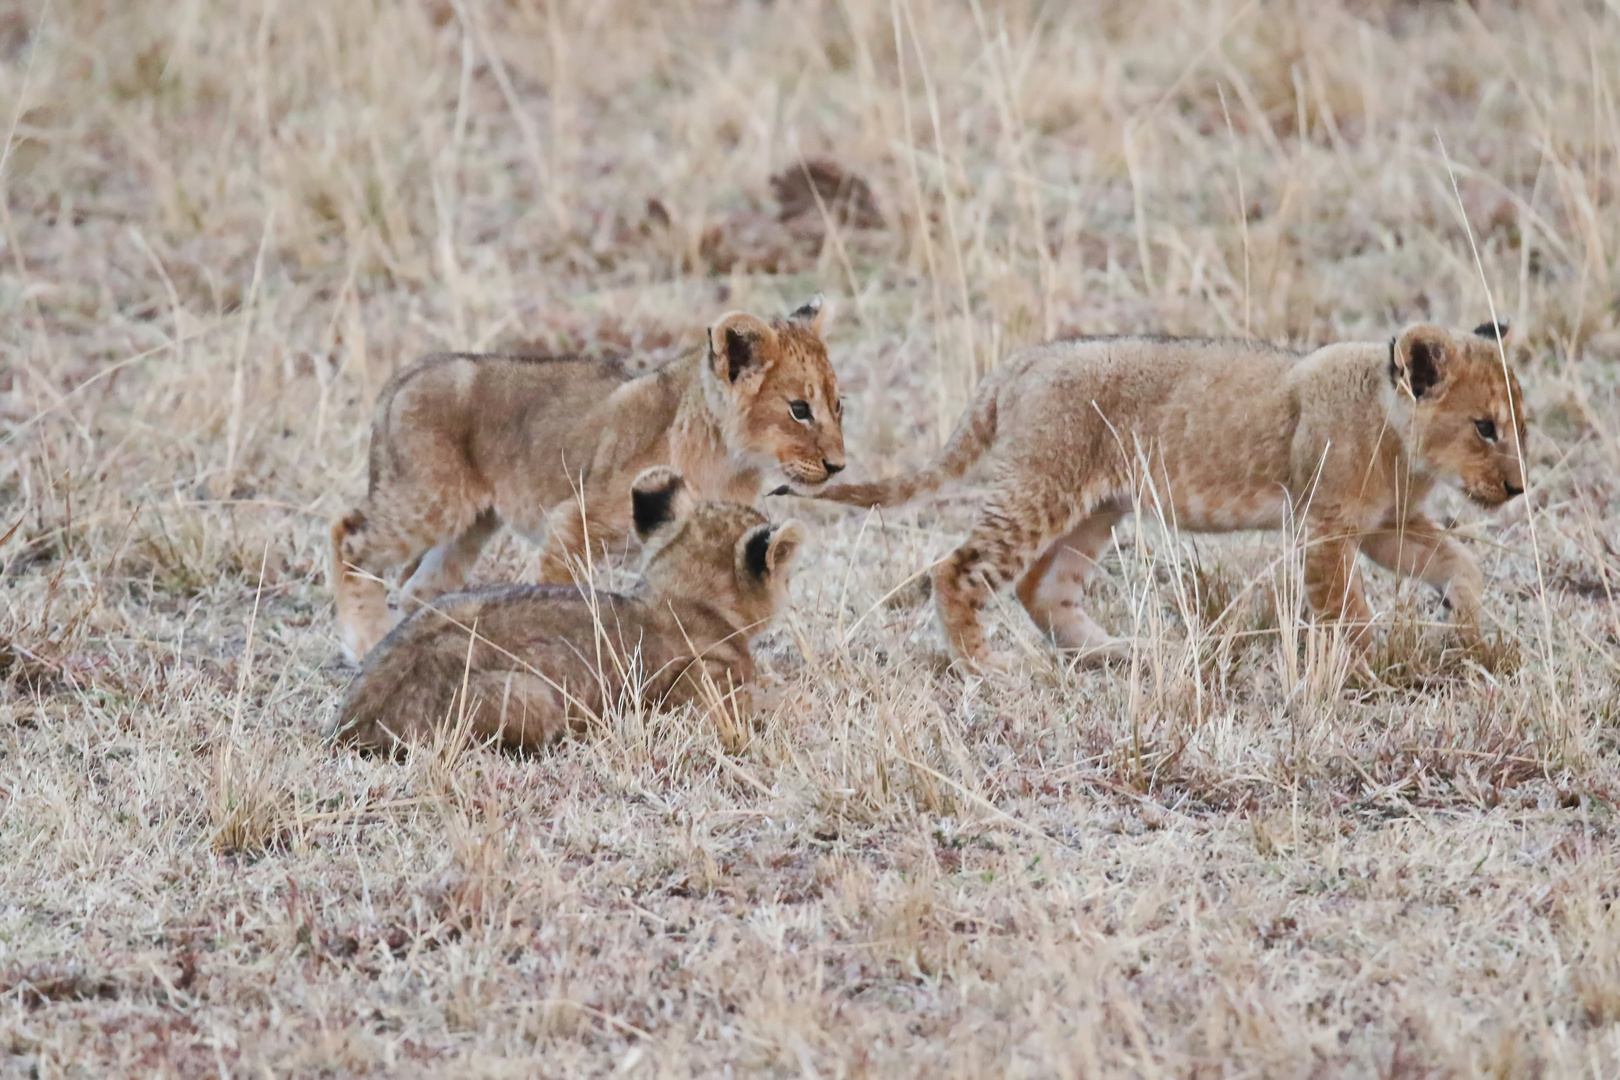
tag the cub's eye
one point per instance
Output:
(1486, 429)
(800, 409)
(838, 409)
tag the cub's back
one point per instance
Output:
(1214, 409)
(1153, 371)
(481, 404)
(1155, 385)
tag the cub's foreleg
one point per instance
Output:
(1417, 547)
(1333, 583)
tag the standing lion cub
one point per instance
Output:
(546, 657)
(549, 445)
(1348, 439)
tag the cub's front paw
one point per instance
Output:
(1103, 654)
(992, 662)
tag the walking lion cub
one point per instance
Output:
(550, 445)
(521, 664)
(1348, 439)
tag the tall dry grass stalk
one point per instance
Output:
(224, 226)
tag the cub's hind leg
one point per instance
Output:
(444, 568)
(396, 524)
(1053, 589)
(1014, 528)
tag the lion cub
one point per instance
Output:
(550, 445)
(547, 656)
(1348, 439)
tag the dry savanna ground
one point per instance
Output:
(224, 225)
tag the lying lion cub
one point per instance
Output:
(1349, 439)
(460, 443)
(547, 656)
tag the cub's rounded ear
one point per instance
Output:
(813, 315)
(1493, 331)
(1419, 359)
(737, 345)
(658, 497)
(766, 550)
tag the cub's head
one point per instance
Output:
(776, 393)
(1468, 418)
(723, 554)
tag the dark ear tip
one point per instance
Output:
(1492, 331)
(1425, 359)
(807, 310)
(739, 350)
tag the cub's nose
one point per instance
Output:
(832, 469)
(1512, 492)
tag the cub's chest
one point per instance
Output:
(718, 477)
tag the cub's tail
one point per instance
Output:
(972, 437)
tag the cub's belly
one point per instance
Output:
(1228, 511)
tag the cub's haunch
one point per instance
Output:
(549, 445)
(1348, 439)
(546, 657)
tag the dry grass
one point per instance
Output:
(225, 224)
